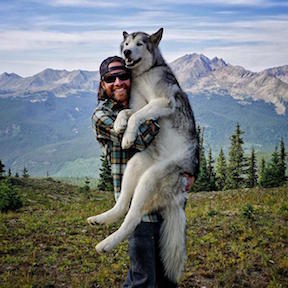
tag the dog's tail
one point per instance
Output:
(173, 238)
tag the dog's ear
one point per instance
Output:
(125, 34)
(156, 37)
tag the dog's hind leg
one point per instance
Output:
(142, 203)
(135, 168)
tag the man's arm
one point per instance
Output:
(103, 126)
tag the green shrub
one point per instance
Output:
(9, 197)
(248, 211)
(212, 213)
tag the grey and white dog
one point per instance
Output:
(153, 178)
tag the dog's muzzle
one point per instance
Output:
(130, 62)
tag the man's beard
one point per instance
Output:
(127, 91)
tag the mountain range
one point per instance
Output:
(198, 74)
(45, 119)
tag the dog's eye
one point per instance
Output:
(126, 44)
(139, 44)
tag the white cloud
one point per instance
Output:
(253, 58)
(154, 4)
(36, 39)
(256, 42)
(85, 3)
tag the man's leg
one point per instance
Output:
(142, 272)
(146, 268)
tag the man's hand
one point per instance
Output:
(190, 181)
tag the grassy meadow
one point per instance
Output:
(234, 239)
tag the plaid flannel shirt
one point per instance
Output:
(102, 121)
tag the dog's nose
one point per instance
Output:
(127, 52)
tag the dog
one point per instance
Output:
(153, 178)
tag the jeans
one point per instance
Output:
(146, 268)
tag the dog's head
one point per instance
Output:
(139, 48)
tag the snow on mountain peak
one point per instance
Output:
(198, 74)
(195, 72)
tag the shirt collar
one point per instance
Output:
(114, 105)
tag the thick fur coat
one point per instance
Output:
(154, 177)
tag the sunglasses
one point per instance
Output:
(112, 78)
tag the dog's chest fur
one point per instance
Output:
(146, 87)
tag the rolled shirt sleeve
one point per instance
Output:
(103, 126)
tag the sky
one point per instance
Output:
(79, 34)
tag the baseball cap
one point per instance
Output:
(105, 69)
(105, 63)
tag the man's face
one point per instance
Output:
(116, 85)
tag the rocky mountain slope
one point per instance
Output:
(198, 74)
(45, 119)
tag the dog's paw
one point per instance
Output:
(120, 124)
(104, 246)
(96, 220)
(128, 139)
(122, 119)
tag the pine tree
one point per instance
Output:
(211, 171)
(87, 185)
(202, 183)
(9, 196)
(261, 171)
(221, 171)
(105, 181)
(17, 175)
(25, 173)
(252, 170)
(9, 172)
(271, 175)
(2, 170)
(275, 164)
(236, 169)
(282, 162)
(86, 188)
(200, 135)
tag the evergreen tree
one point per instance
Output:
(105, 182)
(221, 171)
(87, 185)
(9, 172)
(200, 135)
(16, 174)
(271, 175)
(236, 169)
(202, 183)
(261, 171)
(25, 173)
(211, 171)
(282, 162)
(9, 197)
(252, 170)
(2, 170)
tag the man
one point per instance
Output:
(146, 267)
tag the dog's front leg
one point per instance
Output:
(155, 109)
(130, 133)
(122, 119)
